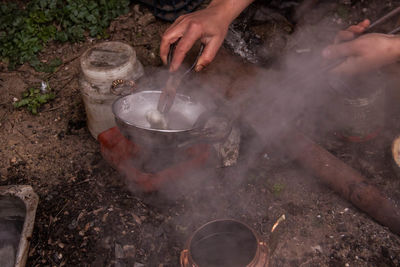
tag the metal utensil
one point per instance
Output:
(383, 18)
(169, 91)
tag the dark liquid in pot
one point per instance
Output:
(233, 249)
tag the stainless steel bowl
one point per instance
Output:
(189, 121)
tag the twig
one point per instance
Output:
(23, 134)
(55, 108)
(141, 44)
(3, 118)
(84, 181)
(68, 82)
(19, 155)
(59, 89)
(281, 219)
(58, 213)
(61, 66)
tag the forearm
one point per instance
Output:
(230, 9)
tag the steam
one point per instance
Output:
(294, 94)
(272, 100)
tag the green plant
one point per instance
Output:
(49, 67)
(278, 188)
(33, 99)
(24, 31)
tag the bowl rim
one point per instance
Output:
(147, 128)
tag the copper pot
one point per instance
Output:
(222, 243)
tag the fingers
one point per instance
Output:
(339, 50)
(192, 34)
(170, 36)
(209, 53)
(360, 27)
(343, 36)
(365, 23)
(353, 65)
(356, 29)
(352, 31)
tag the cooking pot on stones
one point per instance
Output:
(189, 121)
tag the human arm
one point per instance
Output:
(210, 25)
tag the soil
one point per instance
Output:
(89, 216)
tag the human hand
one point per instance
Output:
(210, 25)
(351, 32)
(366, 53)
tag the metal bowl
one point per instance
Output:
(187, 122)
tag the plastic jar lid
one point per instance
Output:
(109, 61)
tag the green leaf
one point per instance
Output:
(24, 32)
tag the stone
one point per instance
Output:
(146, 19)
(129, 251)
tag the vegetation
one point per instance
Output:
(278, 188)
(25, 30)
(34, 98)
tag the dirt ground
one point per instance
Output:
(88, 217)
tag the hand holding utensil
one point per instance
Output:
(169, 91)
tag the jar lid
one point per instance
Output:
(109, 61)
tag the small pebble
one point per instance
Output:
(316, 248)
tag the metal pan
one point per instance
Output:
(188, 121)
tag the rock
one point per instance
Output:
(119, 252)
(316, 249)
(73, 224)
(106, 242)
(146, 19)
(136, 10)
(341, 228)
(129, 251)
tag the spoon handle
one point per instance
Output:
(168, 93)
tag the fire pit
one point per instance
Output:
(225, 243)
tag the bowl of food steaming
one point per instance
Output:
(137, 118)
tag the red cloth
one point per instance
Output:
(120, 153)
